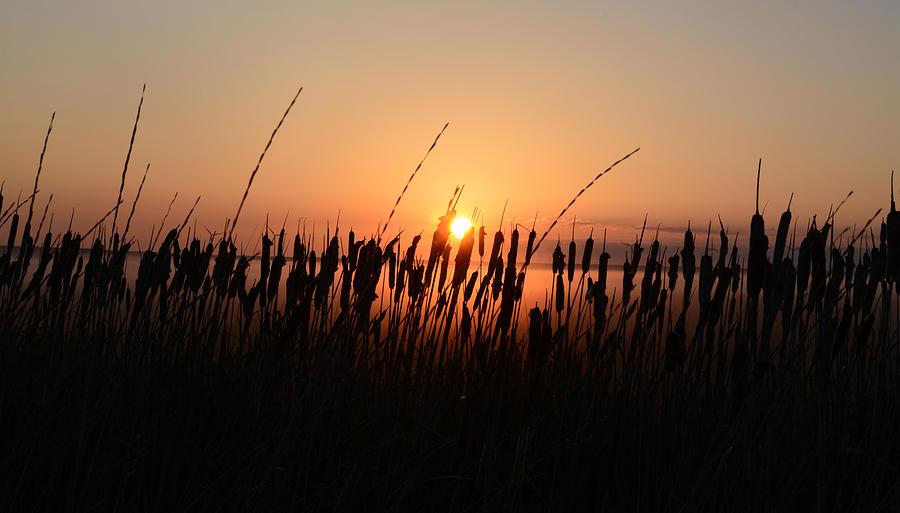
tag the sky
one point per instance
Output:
(540, 96)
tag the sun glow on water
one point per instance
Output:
(459, 226)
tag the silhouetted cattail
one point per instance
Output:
(688, 263)
(495, 253)
(571, 256)
(298, 256)
(560, 294)
(312, 263)
(759, 246)
(559, 260)
(673, 271)
(415, 282)
(513, 253)
(411, 253)
(497, 283)
(481, 234)
(470, 286)
(392, 268)
(602, 268)
(529, 249)
(756, 257)
(438, 242)
(781, 237)
(275, 274)
(588, 251)
(463, 257)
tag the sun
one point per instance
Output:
(460, 226)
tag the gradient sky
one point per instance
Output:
(539, 96)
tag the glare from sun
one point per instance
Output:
(459, 226)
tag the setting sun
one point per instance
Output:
(459, 226)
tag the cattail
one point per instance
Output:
(392, 268)
(723, 247)
(415, 282)
(602, 267)
(571, 268)
(759, 246)
(470, 286)
(485, 282)
(495, 253)
(600, 301)
(299, 255)
(648, 298)
(588, 251)
(497, 283)
(560, 294)
(688, 263)
(513, 253)
(559, 260)
(781, 238)
(438, 242)
(509, 284)
(352, 249)
(411, 252)
(463, 257)
(673, 272)
(816, 244)
(520, 286)
(312, 263)
(481, 234)
(529, 249)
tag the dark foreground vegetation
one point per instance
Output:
(394, 374)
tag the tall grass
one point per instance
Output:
(370, 373)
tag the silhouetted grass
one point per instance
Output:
(370, 374)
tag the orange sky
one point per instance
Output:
(539, 96)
